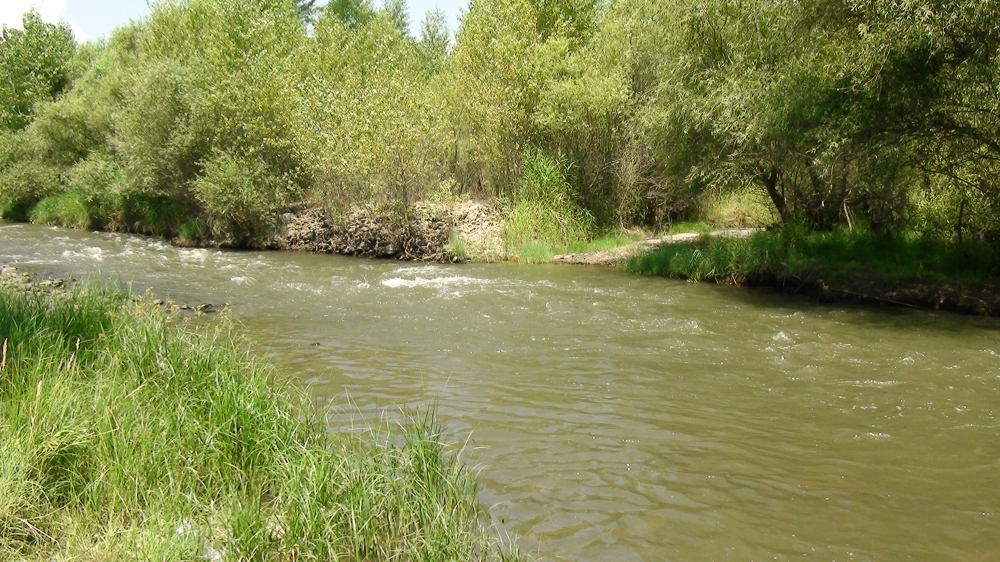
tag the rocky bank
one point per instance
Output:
(425, 232)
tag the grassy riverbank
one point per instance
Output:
(125, 437)
(841, 258)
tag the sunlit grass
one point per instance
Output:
(839, 253)
(123, 437)
(540, 252)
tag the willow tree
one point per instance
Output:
(370, 130)
(35, 65)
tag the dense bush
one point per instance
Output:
(242, 196)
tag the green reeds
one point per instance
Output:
(124, 437)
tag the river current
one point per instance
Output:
(614, 417)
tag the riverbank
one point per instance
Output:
(840, 266)
(128, 436)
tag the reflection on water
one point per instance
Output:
(623, 418)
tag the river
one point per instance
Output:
(614, 417)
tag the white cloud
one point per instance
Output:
(12, 11)
(78, 33)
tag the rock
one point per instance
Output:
(421, 235)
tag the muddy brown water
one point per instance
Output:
(614, 417)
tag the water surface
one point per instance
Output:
(614, 417)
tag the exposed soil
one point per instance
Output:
(422, 235)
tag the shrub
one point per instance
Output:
(156, 215)
(68, 209)
(23, 184)
(242, 197)
(99, 180)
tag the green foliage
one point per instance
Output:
(157, 137)
(798, 251)
(125, 437)
(434, 39)
(155, 215)
(306, 10)
(397, 12)
(98, 180)
(242, 197)
(825, 112)
(350, 12)
(544, 209)
(23, 184)
(493, 89)
(542, 252)
(35, 65)
(68, 209)
(370, 131)
(715, 258)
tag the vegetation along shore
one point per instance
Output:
(539, 129)
(129, 433)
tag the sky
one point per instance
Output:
(94, 19)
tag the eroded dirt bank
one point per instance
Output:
(427, 232)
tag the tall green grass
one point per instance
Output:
(838, 253)
(544, 211)
(124, 437)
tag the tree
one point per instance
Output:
(400, 14)
(434, 38)
(351, 12)
(35, 66)
(307, 10)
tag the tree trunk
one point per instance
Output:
(770, 182)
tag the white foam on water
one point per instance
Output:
(198, 255)
(874, 436)
(304, 288)
(434, 283)
(90, 252)
(420, 269)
